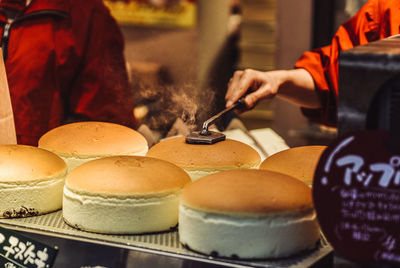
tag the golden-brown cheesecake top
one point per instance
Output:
(127, 175)
(228, 154)
(244, 191)
(91, 139)
(19, 163)
(299, 162)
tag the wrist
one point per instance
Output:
(281, 77)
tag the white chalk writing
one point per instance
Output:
(23, 252)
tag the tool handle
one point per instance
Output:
(239, 103)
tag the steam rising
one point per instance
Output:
(168, 104)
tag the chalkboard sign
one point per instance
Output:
(17, 250)
(356, 194)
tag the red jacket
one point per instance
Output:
(65, 58)
(377, 19)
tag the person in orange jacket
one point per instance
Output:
(313, 83)
(64, 62)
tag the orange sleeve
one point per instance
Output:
(322, 63)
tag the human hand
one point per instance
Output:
(259, 85)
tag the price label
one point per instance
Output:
(17, 250)
(356, 194)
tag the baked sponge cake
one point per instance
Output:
(299, 162)
(123, 195)
(80, 142)
(248, 214)
(201, 160)
(31, 181)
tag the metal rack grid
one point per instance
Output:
(165, 243)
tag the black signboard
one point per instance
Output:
(17, 250)
(356, 194)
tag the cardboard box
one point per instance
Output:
(258, 32)
(260, 57)
(259, 10)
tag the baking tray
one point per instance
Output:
(165, 243)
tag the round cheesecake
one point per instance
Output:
(123, 195)
(80, 142)
(248, 214)
(31, 181)
(299, 162)
(201, 160)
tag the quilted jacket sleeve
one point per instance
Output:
(101, 89)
